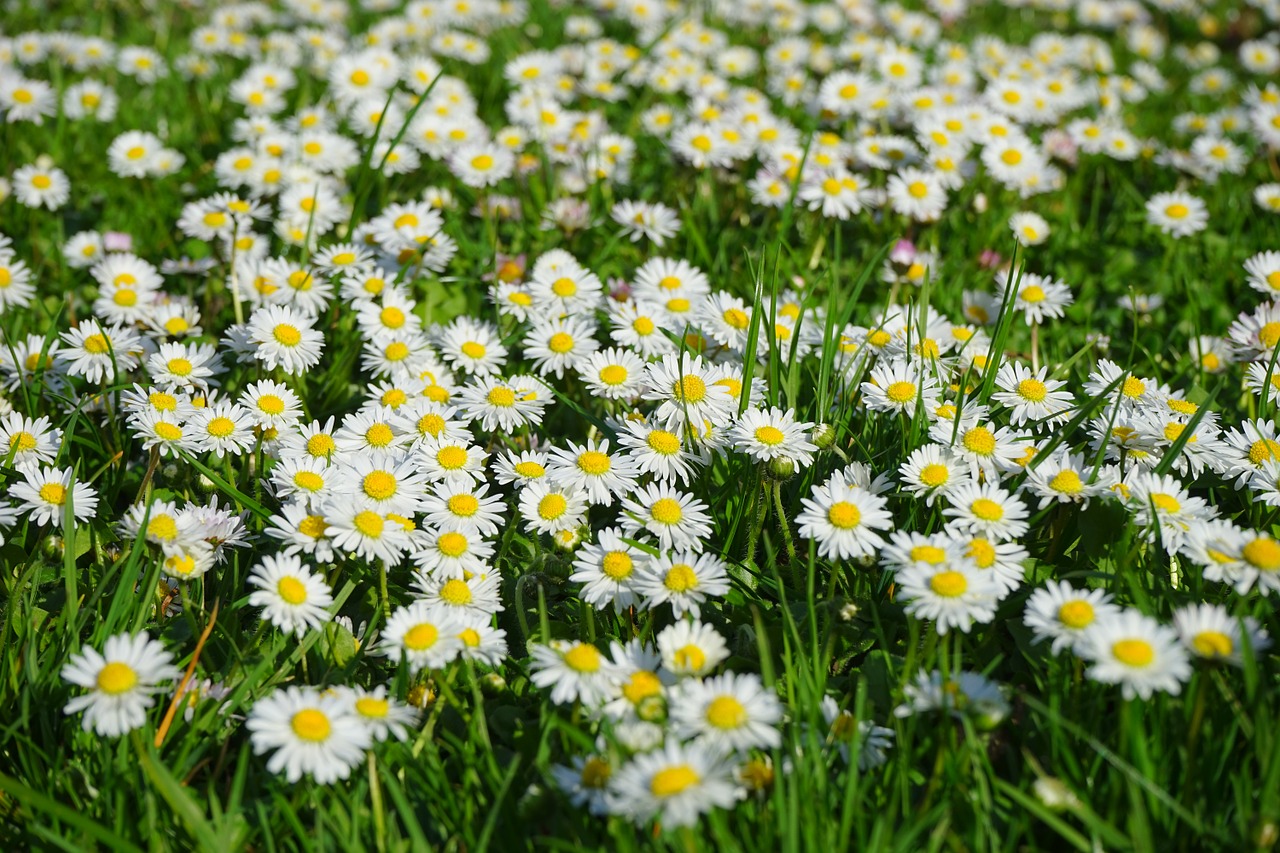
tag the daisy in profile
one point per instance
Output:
(952, 594)
(1029, 229)
(575, 672)
(309, 732)
(1263, 270)
(585, 780)
(1209, 632)
(609, 569)
(961, 694)
(875, 741)
(383, 715)
(291, 596)
(728, 713)
(1178, 214)
(641, 219)
(1061, 613)
(43, 494)
(678, 520)
(683, 579)
(845, 520)
(691, 649)
(423, 634)
(1136, 652)
(121, 679)
(674, 785)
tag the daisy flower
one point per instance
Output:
(897, 386)
(773, 434)
(728, 713)
(682, 579)
(271, 404)
(1039, 297)
(383, 715)
(575, 672)
(691, 649)
(1178, 214)
(674, 785)
(461, 505)
(548, 508)
(99, 353)
(1059, 612)
(659, 451)
(641, 219)
(424, 634)
(987, 510)
(309, 732)
(451, 553)
(1263, 270)
(591, 469)
(1209, 632)
(1136, 652)
(1062, 478)
(843, 519)
(961, 694)
(1029, 228)
(609, 569)
(613, 374)
(952, 594)
(677, 519)
(292, 598)
(499, 406)
(121, 679)
(43, 494)
(687, 392)
(366, 533)
(933, 471)
(1032, 396)
(36, 186)
(284, 337)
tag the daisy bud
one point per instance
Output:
(1055, 794)
(824, 435)
(493, 684)
(980, 203)
(848, 612)
(51, 546)
(989, 717)
(781, 468)
(652, 709)
(169, 471)
(420, 696)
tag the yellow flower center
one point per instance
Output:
(948, 584)
(901, 392)
(451, 544)
(308, 480)
(421, 637)
(97, 344)
(271, 404)
(482, 162)
(379, 485)
(583, 657)
(564, 287)
(931, 554)
(594, 463)
(690, 658)
(463, 505)
(1134, 653)
(672, 780)
(1032, 293)
(1213, 644)
(292, 590)
(987, 509)
(1076, 614)
(617, 565)
(844, 515)
(369, 523)
(726, 712)
(53, 493)
(680, 578)
(1269, 334)
(116, 678)
(530, 470)
(1067, 482)
(1032, 389)
(456, 592)
(690, 388)
(321, 445)
(168, 431)
(663, 442)
(980, 440)
(666, 511)
(613, 374)
(934, 474)
(372, 706)
(918, 189)
(451, 458)
(640, 686)
(560, 343)
(1263, 554)
(1176, 211)
(552, 506)
(769, 435)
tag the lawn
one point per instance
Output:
(623, 425)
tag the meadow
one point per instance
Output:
(634, 424)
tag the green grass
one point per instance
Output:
(1196, 771)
